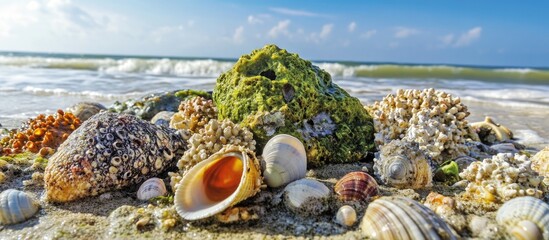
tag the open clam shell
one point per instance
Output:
(221, 181)
(525, 218)
(285, 160)
(403, 218)
(356, 186)
(16, 206)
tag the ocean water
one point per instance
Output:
(32, 83)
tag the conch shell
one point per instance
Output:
(285, 160)
(226, 178)
(402, 165)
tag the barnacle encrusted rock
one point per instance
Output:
(109, 151)
(272, 91)
(193, 114)
(433, 119)
(501, 178)
(148, 106)
(211, 139)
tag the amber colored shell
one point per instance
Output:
(356, 186)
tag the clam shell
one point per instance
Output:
(285, 160)
(217, 183)
(356, 186)
(402, 165)
(306, 197)
(403, 218)
(525, 217)
(346, 216)
(16, 206)
(151, 188)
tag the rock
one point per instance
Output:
(85, 110)
(148, 106)
(272, 91)
(162, 118)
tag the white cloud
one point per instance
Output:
(352, 27)
(254, 20)
(294, 12)
(404, 32)
(326, 30)
(368, 34)
(447, 39)
(70, 15)
(468, 37)
(238, 36)
(280, 28)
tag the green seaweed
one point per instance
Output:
(448, 172)
(272, 91)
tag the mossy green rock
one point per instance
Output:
(272, 91)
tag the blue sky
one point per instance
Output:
(510, 33)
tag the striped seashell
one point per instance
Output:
(524, 218)
(16, 206)
(285, 160)
(226, 178)
(306, 197)
(356, 186)
(403, 218)
(153, 187)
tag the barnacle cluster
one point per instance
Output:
(41, 134)
(211, 139)
(501, 178)
(193, 114)
(433, 119)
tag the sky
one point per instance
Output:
(499, 33)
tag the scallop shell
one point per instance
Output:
(224, 179)
(346, 216)
(151, 188)
(16, 206)
(525, 218)
(403, 218)
(402, 165)
(306, 197)
(285, 160)
(356, 186)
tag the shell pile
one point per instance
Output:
(524, 218)
(402, 165)
(217, 183)
(356, 186)
(193, 114)
(16, 206)
(501, 178)
(109, 151)
(285, 160)
(42, 134)
(211, 138)
(433, 119)
(403, 218)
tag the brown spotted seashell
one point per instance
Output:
(356, 186)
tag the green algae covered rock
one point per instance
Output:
(272, 91)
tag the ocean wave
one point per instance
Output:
(90, 94)
(213, 68)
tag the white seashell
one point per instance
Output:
(226, 178)
(16, 206)
(402, 165)
(346, 216)
(285, 160)
(306, 197)
(403, 218)
(525, 218)
(151, 188)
